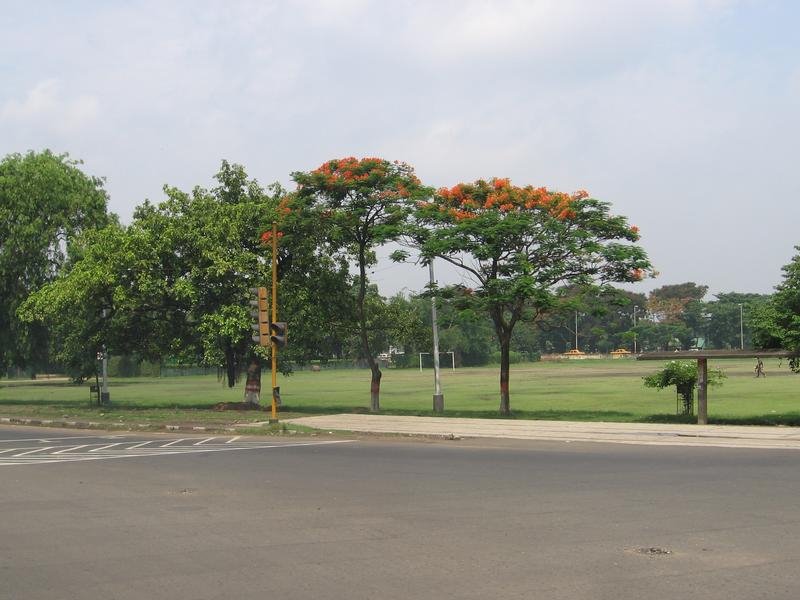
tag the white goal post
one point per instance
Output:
(450, 352)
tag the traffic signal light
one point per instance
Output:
(278, 333)
(261, 315)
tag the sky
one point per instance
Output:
(683, 114)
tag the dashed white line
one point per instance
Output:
(139, 445)
(104, 447)
(171, 443)
(233, 439)
(71, 448)
(204, 441)
(32, 451)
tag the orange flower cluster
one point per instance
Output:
(350, 170)
(637, 274)
(283, 207)
(465, 201)
(266, 237)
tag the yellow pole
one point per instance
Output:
(274, 351)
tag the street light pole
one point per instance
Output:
(105, 397)
(576, 330)
(741, 327)
(635, 308)
(438, 397)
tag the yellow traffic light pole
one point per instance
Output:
(274, 345)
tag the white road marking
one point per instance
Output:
(37, 455)
(233, 439)
(139, 445)
(32, 451)
(204, 441)
(71, 448)
(171, 443)
(10, 450)
(57, 439)
(104, 447)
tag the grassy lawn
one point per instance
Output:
(585, 390)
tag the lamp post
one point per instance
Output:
(438, 396)
(635, 308)
(105, 397)
(741, 327)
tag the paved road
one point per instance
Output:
(405, 519)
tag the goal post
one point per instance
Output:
(450, 352)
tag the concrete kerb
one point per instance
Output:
(446, 428)
(566, 431)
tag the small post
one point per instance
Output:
(702, 391)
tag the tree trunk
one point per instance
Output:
(375, 383)
(375, 388)
(230, 366)
(505, 363)
(252, 387)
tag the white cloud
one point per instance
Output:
(45, 107)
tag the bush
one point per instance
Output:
(513, 357)
(683, 375)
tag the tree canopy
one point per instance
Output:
(777, 323)
(518, 244)
(46, 200)
(364, 203)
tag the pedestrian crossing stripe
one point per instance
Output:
(54, 453)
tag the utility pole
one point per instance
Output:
(635, 308)
(741, 327)
(105, 397)
(438, 396)
(576, 330)
(276, 391)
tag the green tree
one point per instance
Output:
(730, 319)
(365, 203)
(519, 243)
(464, 328)
(777, 323)
(605, 319)
(45, 201)
(174, 283)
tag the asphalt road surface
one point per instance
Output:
(93, 516)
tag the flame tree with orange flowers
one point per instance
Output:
(365, 203)
(519, 244)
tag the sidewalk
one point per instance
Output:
(566, 431)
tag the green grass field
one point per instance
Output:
(584, 390)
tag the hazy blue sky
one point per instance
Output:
(684, 114)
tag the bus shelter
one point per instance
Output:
(702, 356)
